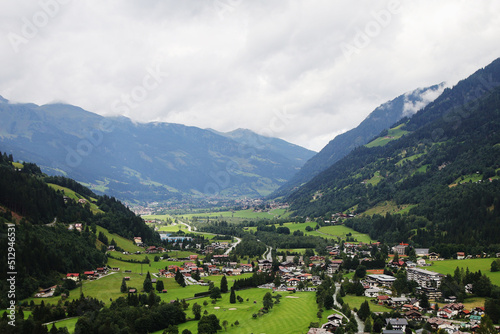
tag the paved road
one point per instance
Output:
(361, 324)
(238, 240)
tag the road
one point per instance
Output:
(361, 324)
(238, 240)
(268, 254)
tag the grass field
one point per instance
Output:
(68, 323)
(246, 214)
(356, 301)
(393, 134)
(388, 207)
(448, 267)
(173, 228)
(292, 315)
(342, 231)
(125, 244)
(18, 165)
(74, 196)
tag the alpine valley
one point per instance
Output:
(393, 228)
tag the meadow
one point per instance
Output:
(356, 301)
(448, 267)
(293, 314)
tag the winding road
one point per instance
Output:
(361, 324)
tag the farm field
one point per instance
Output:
(244, 214)
(342, 231)
(292, 315)
(448, 267)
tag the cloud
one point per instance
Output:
(231, 64)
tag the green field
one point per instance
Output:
(18, 165)
(448, 267)
(75, 196)
(68, 323)
(388, 207)
(356, 301)
(173, 228)
(292, 315)
(245, 214)
(342, 231)
(393, 134)
(125, 244)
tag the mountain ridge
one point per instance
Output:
(379, 119)
(154, 161)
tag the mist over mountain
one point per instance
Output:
(146, 161)
(379, 119)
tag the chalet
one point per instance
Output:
(102, 270)
(460, 255)
(265, 265)
(90, 274)
(334, 322)
(78, 227)
(445, 313)
(382, 299)
(164, 291)
(414, 315)
(73, 276)
(411, 264)
(127, 278)
(193, 257)
(397, 323)
(433, 256)
(246, 267)
(151, 250)
(138, 241)
(132, 290)
(293, 282)
(45, 293)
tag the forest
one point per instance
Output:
(431, 173)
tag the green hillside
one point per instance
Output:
(452, 140)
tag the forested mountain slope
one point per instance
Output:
(381, 118)
(45, 249)
(444, 169)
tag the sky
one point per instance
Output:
(303, 71)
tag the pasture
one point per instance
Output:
(448, 267)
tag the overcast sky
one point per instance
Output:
(303, 71)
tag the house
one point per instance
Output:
(400, 249)
(433, 256)
(382, 299)
(313, 330)
(73, 276)
(193, 257)
(397, 323)
(90, 274)
(334, 322)
(414, 315)
(138, 241)
(372, 292)
(421, 263)
(460, 255)
(422, 251)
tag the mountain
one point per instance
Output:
(435, 175)
(279, 146)
(379, 119)
(147, 162)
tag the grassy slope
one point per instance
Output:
(123, 243)
(74, 196)
(356, 301)
(393, 134)
(341, 231)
